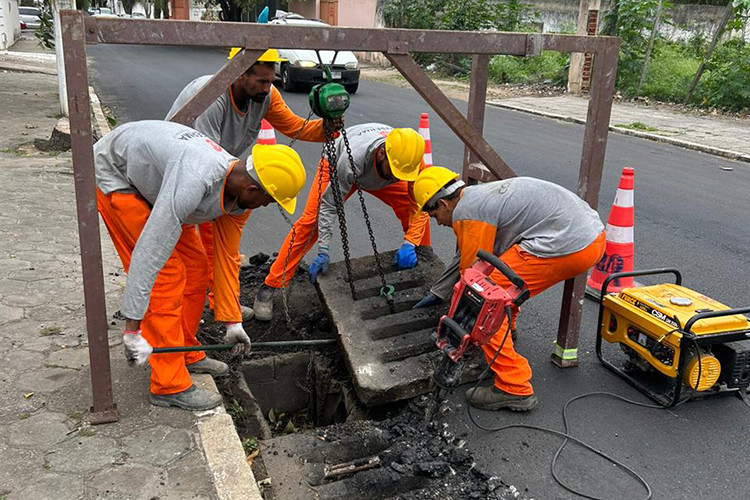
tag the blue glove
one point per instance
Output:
(406, 257)
(263, 16)
(429, 300)
(319, 265)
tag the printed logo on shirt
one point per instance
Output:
(192, 134)
(380, 129)
(214, 145)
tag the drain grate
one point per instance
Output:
(390, 356)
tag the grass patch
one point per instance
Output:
(249, 444)
(549, 66)
(637, 126)
(87, 432)
(24, 416)
(670, 72)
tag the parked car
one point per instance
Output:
(104, 12)
(138, 15)
(29, 17)
(302, 67)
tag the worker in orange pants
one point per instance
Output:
(386, 161)
(155, 181)
(542, 231)
(233, 121)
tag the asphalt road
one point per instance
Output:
(689, 213)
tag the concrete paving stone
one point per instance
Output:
(33, 273)
(131, 482)
(50, 486)
(47, 380)
(8, 314)
(18, 360)
(29, 299)
(38, 256)
(75, 358)
(13, 264)
(18, 466)
(14, 407)
(39, 431)
(83, 454)
(50, 313)
(189, 474)
(157, 445)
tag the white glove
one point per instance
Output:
(137, 349)
(236, 335)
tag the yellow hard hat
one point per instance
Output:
(405, 150)
(429, 182)
(280, 171)
(271, 55)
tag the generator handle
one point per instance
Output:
(502, 267)
(714, 314)
(645, 272)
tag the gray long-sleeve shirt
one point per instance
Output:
(180, 173)
(364, 140)
(544, 219)
(222, 121)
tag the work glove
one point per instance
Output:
(429, 300)
(137, 349)
(236, 335)
(406, 257)
(319, 265)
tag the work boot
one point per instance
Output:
(247, 313)
(192, 398)
(492, 398)
(209, 365)
(263, 305)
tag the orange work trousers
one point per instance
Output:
(512, 371)
(179, 293)
(305, 229)
(206, 232)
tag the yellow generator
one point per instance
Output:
(690, 339)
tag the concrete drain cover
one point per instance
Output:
(390, 356)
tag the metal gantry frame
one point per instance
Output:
(481, 162)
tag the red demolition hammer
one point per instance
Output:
(477, 311)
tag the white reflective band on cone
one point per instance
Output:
(624, 198)
(617, 234)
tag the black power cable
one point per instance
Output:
(566, 434)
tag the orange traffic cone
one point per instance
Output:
(266, 134)
(424, 131)
(619, 253)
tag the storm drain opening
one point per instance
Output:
(346, 419)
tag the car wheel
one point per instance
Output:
(286, 80)
(352, 88)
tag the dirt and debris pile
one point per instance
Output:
(400, 457)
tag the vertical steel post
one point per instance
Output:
(477, 102)
(589, 182)
(73, 35)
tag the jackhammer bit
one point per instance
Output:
(446, 376)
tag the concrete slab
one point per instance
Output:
(390, 356)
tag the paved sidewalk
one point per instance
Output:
(719, 135)
(47, 448)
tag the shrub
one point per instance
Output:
(726, 83)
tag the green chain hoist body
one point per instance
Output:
(329, 100)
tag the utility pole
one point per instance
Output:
(579, 75)
(57, 6)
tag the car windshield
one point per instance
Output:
(28, 11)
(105, 10)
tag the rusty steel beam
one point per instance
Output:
(219, 83)
(589, 183)
(103, 410)
(450, 115)
(223, 34)
(477, 102)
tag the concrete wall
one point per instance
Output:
(305, 8)
(359, 13)
(10, 24)
(562, 16)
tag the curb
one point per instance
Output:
(221, 445)
(99, 122)
(725, 153)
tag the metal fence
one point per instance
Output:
(481, 161)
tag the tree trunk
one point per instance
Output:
(654, 32)
(707, 57)
(610, 25)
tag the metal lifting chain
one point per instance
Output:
(385, 290)
(329, 150)
(286, 290)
